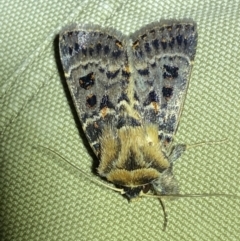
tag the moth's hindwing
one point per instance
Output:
(129, 92)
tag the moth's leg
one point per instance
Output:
(166, 183)
(177, 151)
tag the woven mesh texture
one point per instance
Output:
(44, 198)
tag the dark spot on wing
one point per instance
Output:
(155, 43)
(143, 71)
(106, 49)
(147, 47)
(76, 47)
(105, 102)
(70, 50)
(164, 44)
(179, 39)
(91, 100)
(171, 71)
(98, 47)
(153, 65)
(112, 74)
(87, 81)
(116, 53)
(70, 33)
(127, 121)
(168, 139)
(126, 74)
(123, 97)
(101, 70)
(152, 97)
(167, 92)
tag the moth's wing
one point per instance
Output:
(162, 55)
(94, 62)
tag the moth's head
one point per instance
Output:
(133, 182)
(135, 192)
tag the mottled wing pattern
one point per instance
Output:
(95, 65)
(162, 56)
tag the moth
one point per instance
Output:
(129, 93)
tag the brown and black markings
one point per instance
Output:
(129, 92)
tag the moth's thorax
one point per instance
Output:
(131, 156)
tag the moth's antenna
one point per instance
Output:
(85, 174)
(143, 194)
(164, 214)
(207, 143)
(189, 195)
(180, 196)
